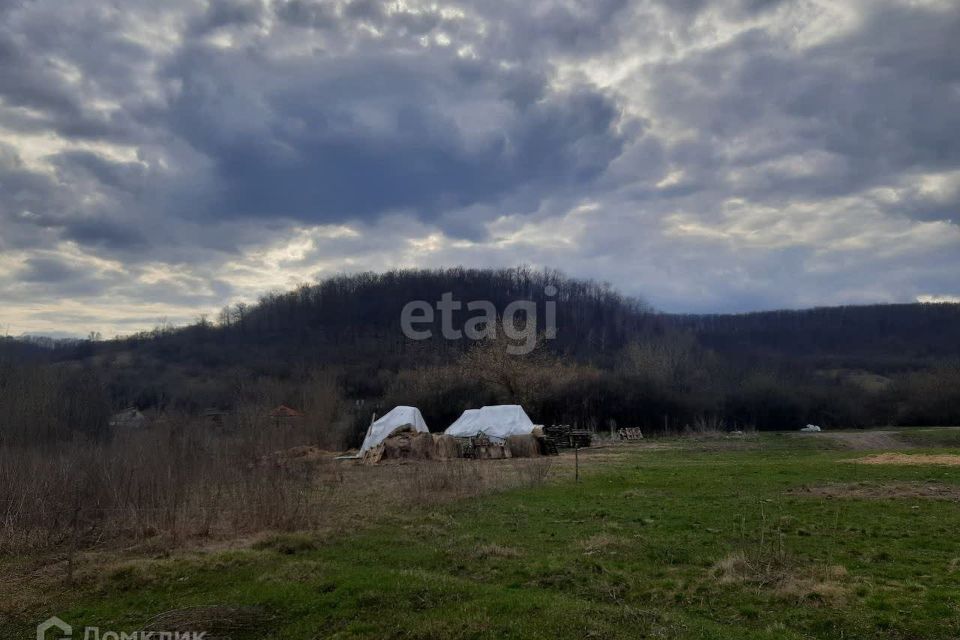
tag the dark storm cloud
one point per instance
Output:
(858, 111)
(80, 165)
(695, 143)
(53, 62)
(23, 189)
(106, 234)
(46, 270)
(222, 13)
(337, 139)
(51, 277)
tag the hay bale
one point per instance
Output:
(445, 447)
(421, 447)
(402, 444)
(523, 446)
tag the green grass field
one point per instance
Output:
(702, 539)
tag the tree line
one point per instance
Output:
(614, 361)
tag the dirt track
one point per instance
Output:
(863, 440)
(882, 491)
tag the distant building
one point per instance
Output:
(284, 414)
(283, 411)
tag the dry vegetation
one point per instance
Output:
(909, 459)
(785, 579)
(177, 482)
(69, 481)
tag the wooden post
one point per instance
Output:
(576, 462)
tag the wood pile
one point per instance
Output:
(564, 436)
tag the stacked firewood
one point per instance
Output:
(566, 437)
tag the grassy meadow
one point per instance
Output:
(776, 536)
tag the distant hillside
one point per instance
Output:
(614, 359)
(355, 320)
(891, 336)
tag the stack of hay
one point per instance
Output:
(406, 443)
(517, 446)
(523, 446)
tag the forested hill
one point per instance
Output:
(614, 357)
(878, 334)
(353, 318)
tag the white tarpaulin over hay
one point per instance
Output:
(498, 422)
(462, 424)
(391, 421)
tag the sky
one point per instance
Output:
(159, 160)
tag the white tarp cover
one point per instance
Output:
(810, 427)
(499, 422)
(396, 417)
(462, 424)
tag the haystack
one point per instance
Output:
(391, 422)
(404, 443)
(445, 447)
(495, 422)
(523, 446)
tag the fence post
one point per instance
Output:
(576, 462)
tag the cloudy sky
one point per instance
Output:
(161, 159)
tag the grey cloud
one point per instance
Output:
(49, 270)
(304, 13)
(861, 110)
(105, 233)
(126, 176)
(42, 47)
(241, 123)
(52, 278)
(335, 140)
(222, 13)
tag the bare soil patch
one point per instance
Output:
(885, 491)
(862, 440)
(909, 459)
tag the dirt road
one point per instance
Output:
(863, 440)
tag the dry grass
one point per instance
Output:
(484, 551)
(162, 508)
(909, 459)
(174, 485)
(815, 585)
(217, 621)
(600, 542)
(170, 482)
